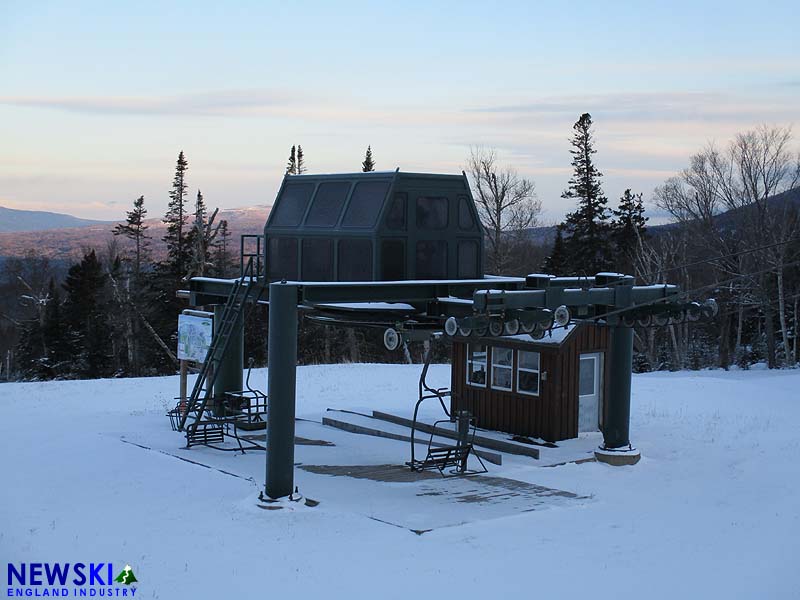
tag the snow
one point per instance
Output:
(215, 280)
(554, 336)
(453, 300)
(711, 510)
(408, 282)
(387, 306)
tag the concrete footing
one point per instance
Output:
(618, 457)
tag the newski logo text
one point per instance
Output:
(84, 580)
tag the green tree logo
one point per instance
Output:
(126, 576)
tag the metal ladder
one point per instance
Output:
(234, 307)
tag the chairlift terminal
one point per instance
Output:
(404, 253)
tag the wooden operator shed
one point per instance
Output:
(551, 388)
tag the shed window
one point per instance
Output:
(393, 260)
(587, 385)
(528, 373)
(292, 204)
(317, 259)
(467, 260)
(502, 364)
(431, 212)
(327, 205)
(476, 365)
(365, 204)
(396, 219)
(283, 259)
(431, 259)
(466, 222)
(355, 260)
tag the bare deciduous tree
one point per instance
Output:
(507, 205)
(757, 166)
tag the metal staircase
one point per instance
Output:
(240, 294)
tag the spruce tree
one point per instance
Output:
(291, 166)
(301, 163)
(88, 332)
(200, 210)
(556, 263)
(176, 219)
(159, 299)
(587, 242)
(135, 229)
(627, 228)
(223, 262)
(368, 164)
(201, 237)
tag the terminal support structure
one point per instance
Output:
(282, 384)
(616, 426)
(608, 298)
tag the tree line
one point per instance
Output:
(114, 313)
(734, 236)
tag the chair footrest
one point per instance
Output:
(205, 432)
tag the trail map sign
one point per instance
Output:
(194, 337)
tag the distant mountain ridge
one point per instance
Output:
(14, 220)
(70, 242)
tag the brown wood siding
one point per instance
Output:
(506, 410)
(553, 415)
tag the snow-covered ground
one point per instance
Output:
(711, 511)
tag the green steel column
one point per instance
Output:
(616, 426)
(281, 384)
(231, 366)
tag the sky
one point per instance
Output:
(98, 98)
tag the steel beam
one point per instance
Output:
(281, 385)
(616, 296)
(401, 291)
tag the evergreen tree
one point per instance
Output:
(135, 229)
(556, 263)
(627, 229)
(301, 164)
(201, 237)
(223, 261)
(588, 244)
(176, 219)
(291, 166)
(89, 336)
(368, 164)
(161, 304)
(200, 210)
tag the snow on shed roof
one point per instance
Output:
(554, 337)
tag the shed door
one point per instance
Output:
(590, 386)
